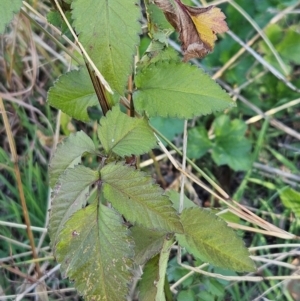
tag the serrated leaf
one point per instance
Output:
(231, 145)
(69, 196)
(178, 90)
(55, 18)
(135, 196)
(8, 9)
(210, 239)
(147, 288)
(95, 251)
(73, 93)
(68, 153)
(148, 243)
(157, 52)
(111, 38)
(124, 135)
(174, 197)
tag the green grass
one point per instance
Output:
(274, 154)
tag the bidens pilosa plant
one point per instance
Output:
(106, 222)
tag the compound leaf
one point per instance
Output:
(73, 93)
(178, 90)
(8, 8)
(111, 38)
(135, 196)
(147, 243)
(210, 239)
(147, 287)
(69, 196)
(68, 153)
(95, 251)
(125, 135)
(163, 263)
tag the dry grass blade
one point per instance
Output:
(260, 59)
(19, 183)
(261, 33)
(235, 207)
(235, 57)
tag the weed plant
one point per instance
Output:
(251, 151)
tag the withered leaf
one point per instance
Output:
(197, 26)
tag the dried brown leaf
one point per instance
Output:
(197, 26)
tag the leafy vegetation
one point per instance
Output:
(127, 92)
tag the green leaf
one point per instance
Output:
(55, 18)
(124, 135)
(174, 196)
(111, 38)
(69, 196)
(198, 142)
(68, 154)
(157, 52)
(186, 295)
(289, 47)
(206, 296)
(178, 90)
(147, 287)
(148, 243)
(135, 196)
(162, 265)
(176, 272)
(291, 199)
(95, 251)
(153, 283)
(157, 17)
(8, 9)
(169, 127)
(282, 158)
(210, 239)
(231, 145)
(215, 287)
(73, 93)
